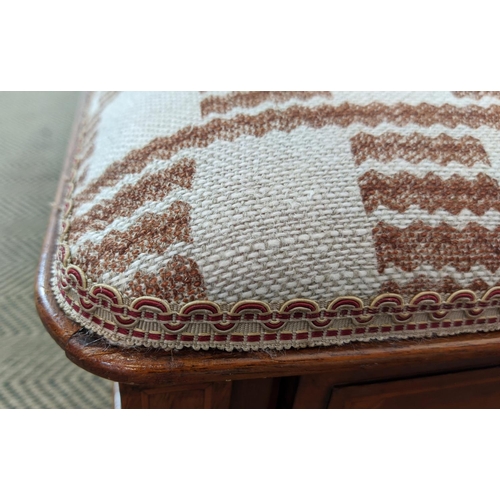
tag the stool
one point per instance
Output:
(280, 249)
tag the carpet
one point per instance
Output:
(34, 372)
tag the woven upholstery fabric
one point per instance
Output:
(282, 219)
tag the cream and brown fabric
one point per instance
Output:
(273, 219)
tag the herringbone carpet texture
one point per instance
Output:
(34, 372)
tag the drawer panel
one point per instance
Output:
(470, 389)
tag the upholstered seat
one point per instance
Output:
(270, 220)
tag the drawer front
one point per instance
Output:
(471, 389)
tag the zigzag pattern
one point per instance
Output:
(431, 193)
(123, 204)
(444, 286)
(47, 380)
(286, 120)
(180, 279)
(224, 103)
(22, 209)
(416, 147)
(20, 266)
(21, 318)
(438, 246)
(476, 94)
(151, 233)
(34, 372)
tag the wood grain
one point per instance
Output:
(470, 389)
(258, 393)
(195, 396)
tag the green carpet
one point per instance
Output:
(34, 372)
